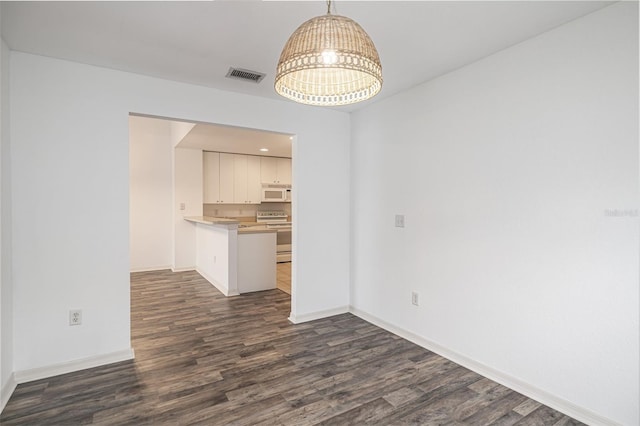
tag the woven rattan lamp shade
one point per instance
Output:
(329, 60)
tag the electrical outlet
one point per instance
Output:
(414, 298)
(75, 317)
(399, 221)
(183, 206)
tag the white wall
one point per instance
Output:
(179, 130)
(505, 170)
(160, 181)
(151, 194)
(6, 286)
(71, 198)
(188, 191)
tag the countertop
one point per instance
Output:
(210, 220)
(248, 227)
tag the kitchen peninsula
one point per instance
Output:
(235, 258)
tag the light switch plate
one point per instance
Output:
(399, 221)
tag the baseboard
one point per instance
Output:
(579, 413)
(71, 366)
(164, 268)
(186, 269)
(298, 319)
(150, 269)
(221, 288)
(7, 391)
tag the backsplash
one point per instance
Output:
(242, 210)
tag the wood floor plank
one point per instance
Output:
(203, 358)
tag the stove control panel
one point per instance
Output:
(271, 216)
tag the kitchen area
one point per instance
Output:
(244, 236)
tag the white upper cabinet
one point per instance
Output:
(284, 170)
(275, 170)
(254, 185)
(239, 179)
(226, 178)
(231, 178)
(268, 169)
(211, 177)
(217, 178)
(246, 187)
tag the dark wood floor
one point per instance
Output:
(202, 358)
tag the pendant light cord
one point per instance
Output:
(328, 7)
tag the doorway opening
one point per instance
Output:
(162, 193)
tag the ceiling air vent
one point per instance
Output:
(246, 75)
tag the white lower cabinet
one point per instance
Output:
(256, 262)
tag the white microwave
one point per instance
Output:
(276, 193)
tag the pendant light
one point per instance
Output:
(329, 60)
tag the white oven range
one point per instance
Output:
(275, 219)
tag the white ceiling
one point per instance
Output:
(237, 140)
(197, 42)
